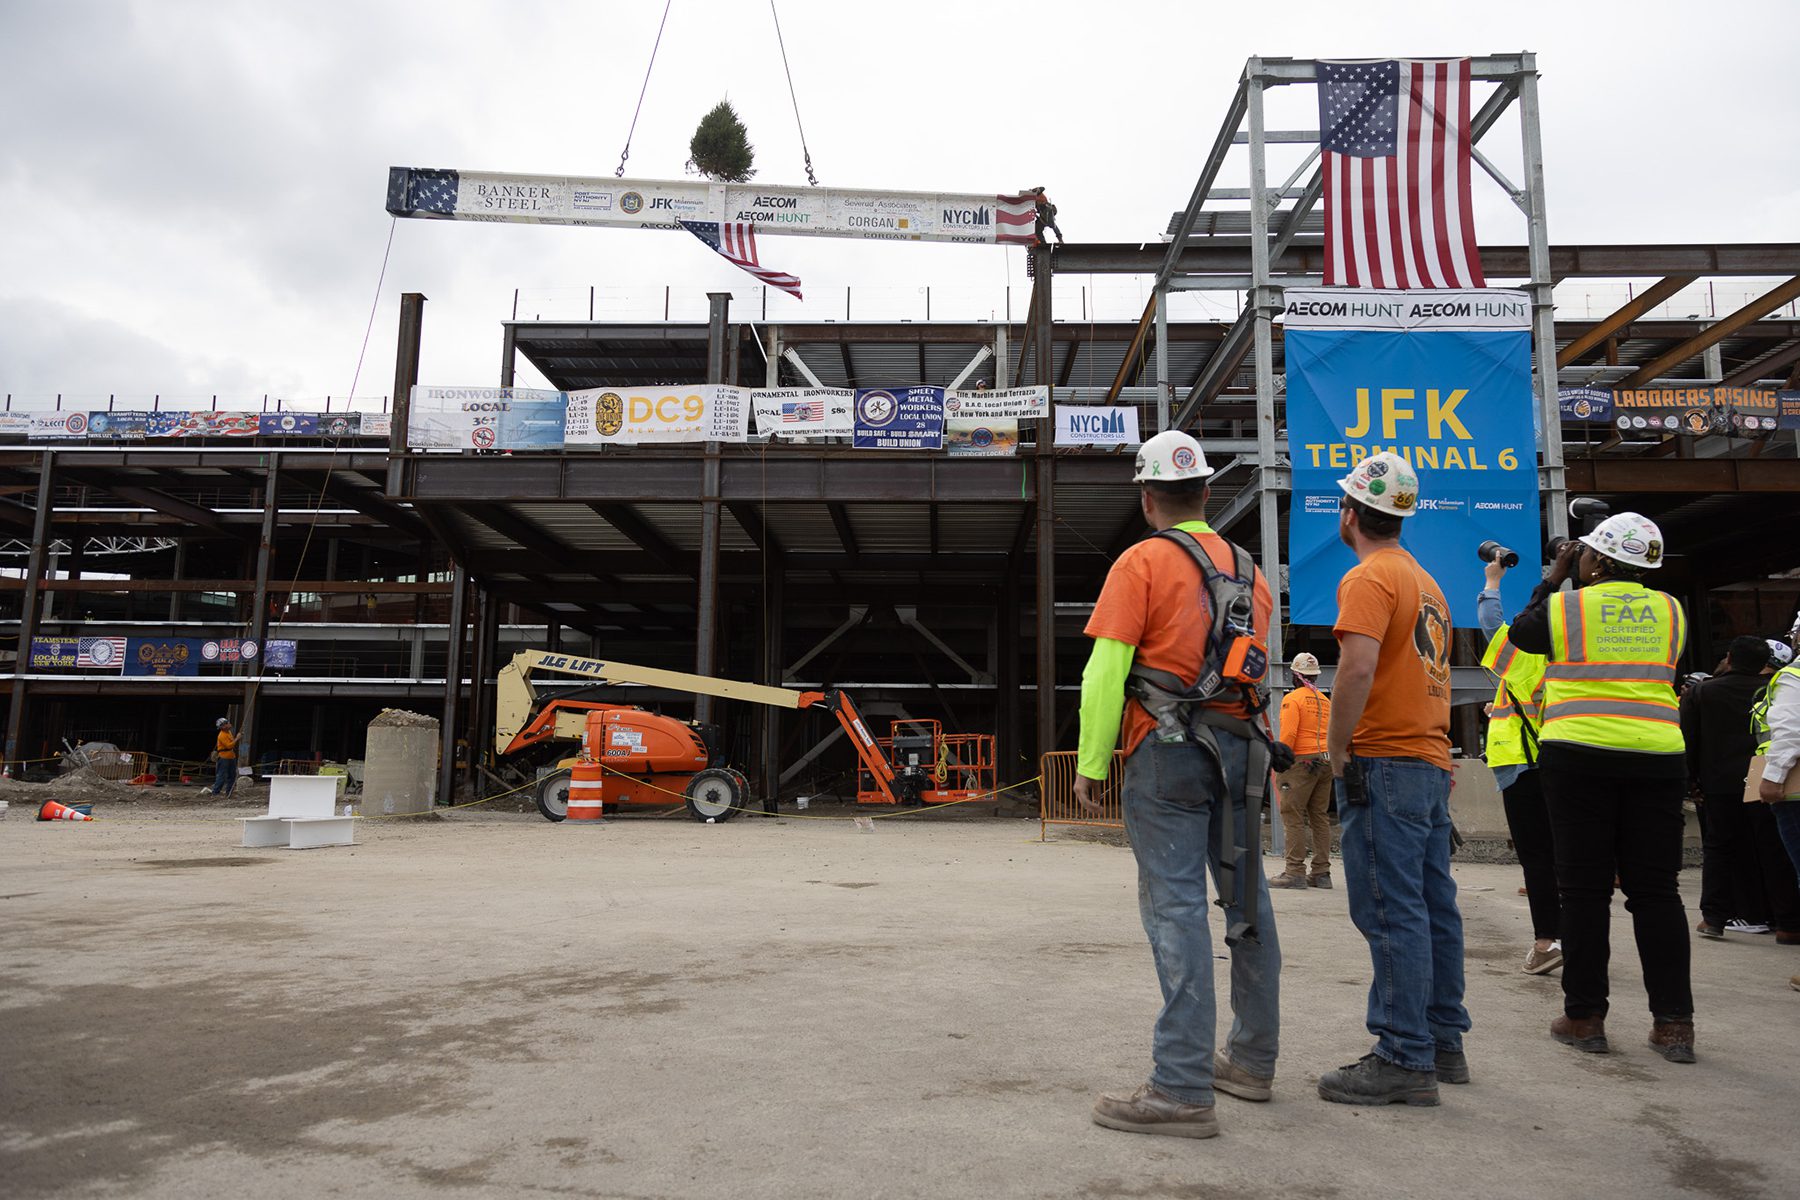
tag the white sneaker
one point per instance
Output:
(1745, 927)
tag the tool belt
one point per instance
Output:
(1180, 720)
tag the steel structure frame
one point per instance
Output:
(1270, 273)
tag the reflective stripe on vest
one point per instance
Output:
(1610, 680)
(1521, 678)
(1759, 713)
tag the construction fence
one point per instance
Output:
(1056, 794)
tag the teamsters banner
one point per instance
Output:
(1442, 378)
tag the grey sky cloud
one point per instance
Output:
(193, 191)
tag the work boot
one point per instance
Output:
(1233, 1080)
(1707, 930)
(1452, 1066)
(1674, 1040)
(1149, 1111)
(1375, 1080)
(1289, 879)
(1319, 879)
(1583, 1033)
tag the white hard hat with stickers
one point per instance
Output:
(1629, 538)
(1385, 482)
(1170, 457)
(1306, 663)
(1780, 653)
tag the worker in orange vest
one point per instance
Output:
(1305, 794)
(225, 754)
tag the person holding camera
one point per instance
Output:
(1305, 787)
(1389, 742)
(1514, 718)
(1171, 616)
(1615, 773)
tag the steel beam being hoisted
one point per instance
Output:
(980, 219)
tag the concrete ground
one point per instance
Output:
(490, 1005)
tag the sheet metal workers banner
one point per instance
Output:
(900, 418)
(1442, 378)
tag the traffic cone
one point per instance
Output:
(52, 811)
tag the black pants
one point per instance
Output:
(1528, 821)
(1744, 873)
(1607, 824)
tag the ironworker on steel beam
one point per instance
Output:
(1603, 329)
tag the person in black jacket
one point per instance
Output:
(1738, 890)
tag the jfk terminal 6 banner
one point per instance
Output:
(1442, 378)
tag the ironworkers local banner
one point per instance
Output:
(1442, 378)
(802, 412)
(484, 418)
(700, 412)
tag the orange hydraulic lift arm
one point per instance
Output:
(868, 751)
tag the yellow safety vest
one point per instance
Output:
(1759, 713)
(1610, 681)
(1522, 678)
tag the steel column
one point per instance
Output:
(509, 355)
(1165, 387)
(1265, 299)
(453, 668)
(768, 718)
(706, 608)
(28, 610)
(1045, 473)
(257, 627)
(406, 373)
(487, 609)
(1543, 304)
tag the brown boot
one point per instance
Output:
(1674, 1040)
(1149, 1111)
(1290, 878)
(1583, 1033)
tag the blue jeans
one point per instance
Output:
(226, 778)
(1396, 852)
(1787, 822)
(1172, 795)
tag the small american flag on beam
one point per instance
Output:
(736, 241)
(1395, 138)
(802, 411)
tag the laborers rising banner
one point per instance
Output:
(1444, 380)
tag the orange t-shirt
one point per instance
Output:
(1391, 598)
(1154, 598)
(225, 745)
(1305, 716)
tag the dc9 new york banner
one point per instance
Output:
(1442, 378)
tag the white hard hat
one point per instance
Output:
(1170, 457)
(221, 723)
(1628, 537)
(1780, 653)
(1385, 482)
(1794, 629)
(1306, 663)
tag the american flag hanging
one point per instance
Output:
(736, 241)
(1395, 138)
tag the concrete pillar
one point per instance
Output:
(397, 765)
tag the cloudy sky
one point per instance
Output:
(193, 192)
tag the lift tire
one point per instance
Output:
(715, 794)
(553, 796)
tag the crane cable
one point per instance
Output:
(626, 152)
(811, 179)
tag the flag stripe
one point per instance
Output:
(1396, 171)
(735, 241)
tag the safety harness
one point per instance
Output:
(1236, 666)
